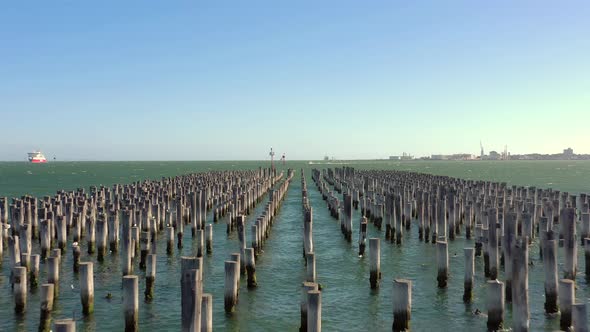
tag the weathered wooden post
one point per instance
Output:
(251, 267)
(196, 294)
(520, 296)
(65, 325)
(310, 264)
(199, 242)
(254, 237)
(150, 276)
(240, 259)
(209, 236)
(402, 304)
(34, 270)
(127, 260)
(19, 281)
(170, 240)
(187, 268)
(314, 311)
(551, 279)
(46, 306)
(308, 231)
(579, 317)
(232, 271)
(509, 240)
(569, 238)
(87, 287)
(567, 297)
(495, 305)
(375, 261)
(469, 273)
(207, 313)
(442, 262)
(585, 226)
(76, 257)
(362, 236)
(347, 222)
(241, 222)
(306, 288)
(131, 302)
(45, 235)
(61, 229)
(91, 236)
(114, 232)
(494, 262)
(53, 274)
(102, 235)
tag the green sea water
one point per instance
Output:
(348, 303)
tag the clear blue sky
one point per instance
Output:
(144, 80)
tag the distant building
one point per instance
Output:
(569, 152)
(495, 155)
(438, 157)
(404, 156)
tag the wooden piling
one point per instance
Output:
(314, 311)
(507, 246)
(53, 274)
(520, 283)
(87, 287)
(402, 304)
(551, 279)
(493, 259)
(308, 231)
(65, 325)
(207, 313)
(19, 281)
(567, 297)
(101, 237)
(569, 236)
(199, 242)
(580, 317)
(187, 266)
(306, 288)
(114, 232)
(170, 240)
(91, 236)
(310, 275)
(150, 276)
(131, 302)
(232, 270)
(251, 267)
(442, 263)
(45, 235)
(375, 262)
(144, 244)
(469, 274)
(495, 305)
(76, 257)
(362, 236)
(46, 300)
(209, 236)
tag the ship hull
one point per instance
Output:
(38, 161)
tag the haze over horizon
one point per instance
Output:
(202, 81)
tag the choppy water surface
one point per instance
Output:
(348, 303)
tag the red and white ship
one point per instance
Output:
(37, 157)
